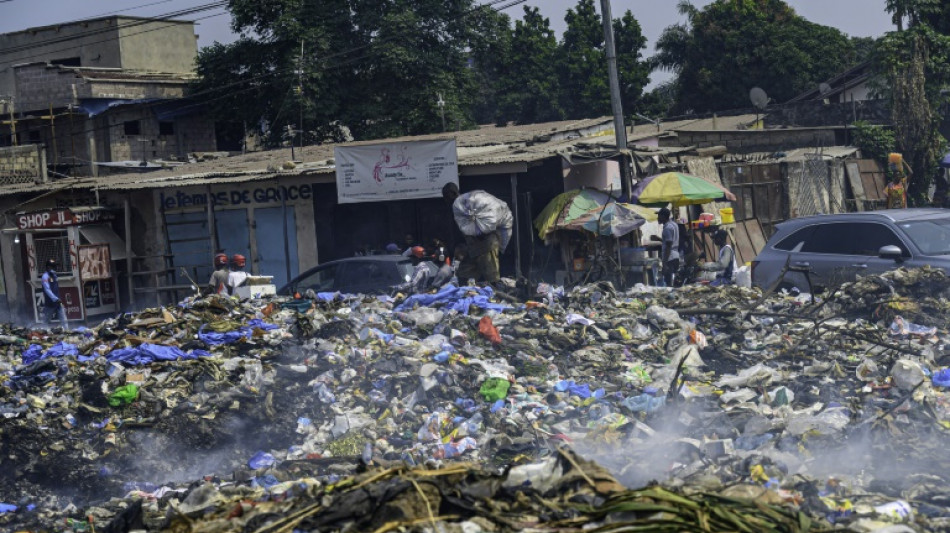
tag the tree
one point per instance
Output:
(585, 87)
(916, 63)
(583, 64)
(374, 67)
(528, 90)
(633, 69)
(730, 46)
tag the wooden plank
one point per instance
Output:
(857, 186)
(740, 238)
(756, 235)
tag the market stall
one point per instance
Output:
(84, 245)
(683, 190)
(596, 235)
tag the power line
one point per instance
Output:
(280, 72)
(47, 53)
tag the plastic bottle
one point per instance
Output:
(471, 426)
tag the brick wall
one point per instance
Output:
(22, 164)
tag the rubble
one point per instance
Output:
(697, 408)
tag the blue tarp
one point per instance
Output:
(457, 298)
(150, 353)
(35, 352)
(214, 338)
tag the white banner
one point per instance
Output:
(394, 171)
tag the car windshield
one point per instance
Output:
(931, 236)
(405, 270)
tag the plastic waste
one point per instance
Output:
(907, 374)
(261, 459)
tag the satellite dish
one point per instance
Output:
(824, 89)
(759, 99)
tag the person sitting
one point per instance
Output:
(725, 266)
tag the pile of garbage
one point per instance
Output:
(699, 408)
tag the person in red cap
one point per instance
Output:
(238, 275)
(219, 278)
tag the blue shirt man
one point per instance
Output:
(53, 306)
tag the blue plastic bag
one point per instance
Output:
(941, 378)
(261, 460)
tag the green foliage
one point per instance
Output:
(916, 64)
(376, 68)
(730, 46)
(583, 64)
(528, 89)
(874, 141)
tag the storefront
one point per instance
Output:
(84, 246)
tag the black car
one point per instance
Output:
(365, 274)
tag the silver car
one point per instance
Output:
(828, 250)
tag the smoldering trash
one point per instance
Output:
(692, 409)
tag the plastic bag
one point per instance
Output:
(479, 213)
(488, 330)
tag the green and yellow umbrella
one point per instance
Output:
(592, 211)
(678, 189)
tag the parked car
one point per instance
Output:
(838, 248)
(366, 274)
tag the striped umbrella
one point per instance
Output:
(592, 211)
(678, 189)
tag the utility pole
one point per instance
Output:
(300, 98)
(620, 130)
(441, 104)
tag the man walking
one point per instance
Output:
(486, 223)
(53, 305)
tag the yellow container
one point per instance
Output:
(726, 214)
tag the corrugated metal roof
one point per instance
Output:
(487, 145)
(786, 156)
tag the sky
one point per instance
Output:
(857, 18)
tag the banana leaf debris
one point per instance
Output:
(692, 409)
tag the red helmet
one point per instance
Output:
(418, 251)
(220, 260)
(238, 260)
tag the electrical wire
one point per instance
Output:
(280, 72)
(99, 31)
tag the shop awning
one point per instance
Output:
(103, 234)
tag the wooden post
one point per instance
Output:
(516, 226)
(128, 249)
(52, 127)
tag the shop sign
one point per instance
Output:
(394, 171)
(94, 262)
(60, 218)
(69, 296)
(259, 195)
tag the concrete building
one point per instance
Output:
(103, 92)
(166, 225)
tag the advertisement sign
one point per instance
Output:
(394, 171)
(94, 262)
(69, 296)
(91, 294)
(61, 218)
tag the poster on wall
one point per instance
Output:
(69, 296)
(95, 262)
(394, 171)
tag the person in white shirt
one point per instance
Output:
(238, 275)
(725, 266)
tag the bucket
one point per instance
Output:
(727, 215)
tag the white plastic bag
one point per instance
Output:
(479, 213)
(744, 277)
